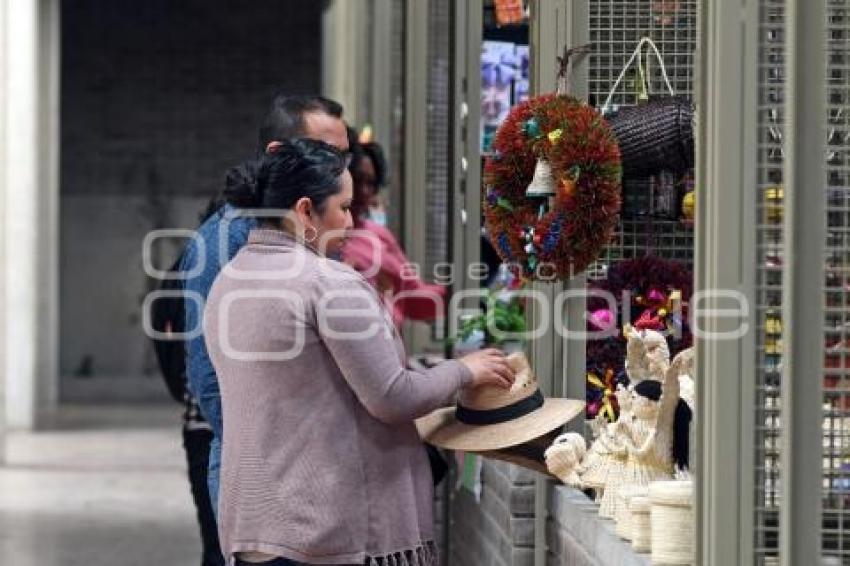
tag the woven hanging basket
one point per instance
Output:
(655, 136)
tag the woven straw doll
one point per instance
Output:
(656, 439)
(606, 458)
(647, 355)
(607, 455)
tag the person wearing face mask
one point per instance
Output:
(373, 250)
(224, 232)
(322, 462)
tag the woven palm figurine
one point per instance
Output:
(647, 355)
(606, 456)
(647, 358)
(566, 458)
(656, 438)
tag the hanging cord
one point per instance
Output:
(564, 64)
(648, 65)
(645, 73)
(636, 56)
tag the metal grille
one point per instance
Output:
(639, 237)
(836, 424)
(616, 26)
(439, 89)
(836, 427)
(769, 280)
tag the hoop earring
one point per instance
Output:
(313, 238)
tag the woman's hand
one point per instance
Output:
(489, 367)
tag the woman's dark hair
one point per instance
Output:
(359, 152)
(298, 168)
(355, 149)
(360, 203)
(651, 389)
(373, 151)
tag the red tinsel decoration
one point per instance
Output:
(585, 160)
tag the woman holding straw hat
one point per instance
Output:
(322, 463)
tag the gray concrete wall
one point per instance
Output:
(577, 536)
(158, 99)
(102, 289)
(3, 87)
(162, 95)
(499, 530)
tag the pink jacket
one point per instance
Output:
(373, 251)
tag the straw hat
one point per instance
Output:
(490, 418)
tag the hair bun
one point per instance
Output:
(295, 169)
(241, 188)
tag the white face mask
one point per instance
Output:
(378, 216)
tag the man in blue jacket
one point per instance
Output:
(289, 117)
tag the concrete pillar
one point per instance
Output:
(725, 260)
(345, 57)
(2, 234)
(805, 175)
(30, 151)
(380, 111)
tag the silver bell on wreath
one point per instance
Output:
(542, 185)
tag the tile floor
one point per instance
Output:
(105, 486)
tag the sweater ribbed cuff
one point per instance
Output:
(464, 374)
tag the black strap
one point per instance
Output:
(502, 414)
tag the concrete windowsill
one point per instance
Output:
(576, 530)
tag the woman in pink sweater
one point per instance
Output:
(373, 250)
(321, 460)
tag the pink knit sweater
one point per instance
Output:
(321, 461)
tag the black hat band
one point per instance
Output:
(502, 414)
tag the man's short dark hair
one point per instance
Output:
(285, 119)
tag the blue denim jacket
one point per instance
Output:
(203, 382)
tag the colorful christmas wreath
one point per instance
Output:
(561, 235)
(656, 291)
